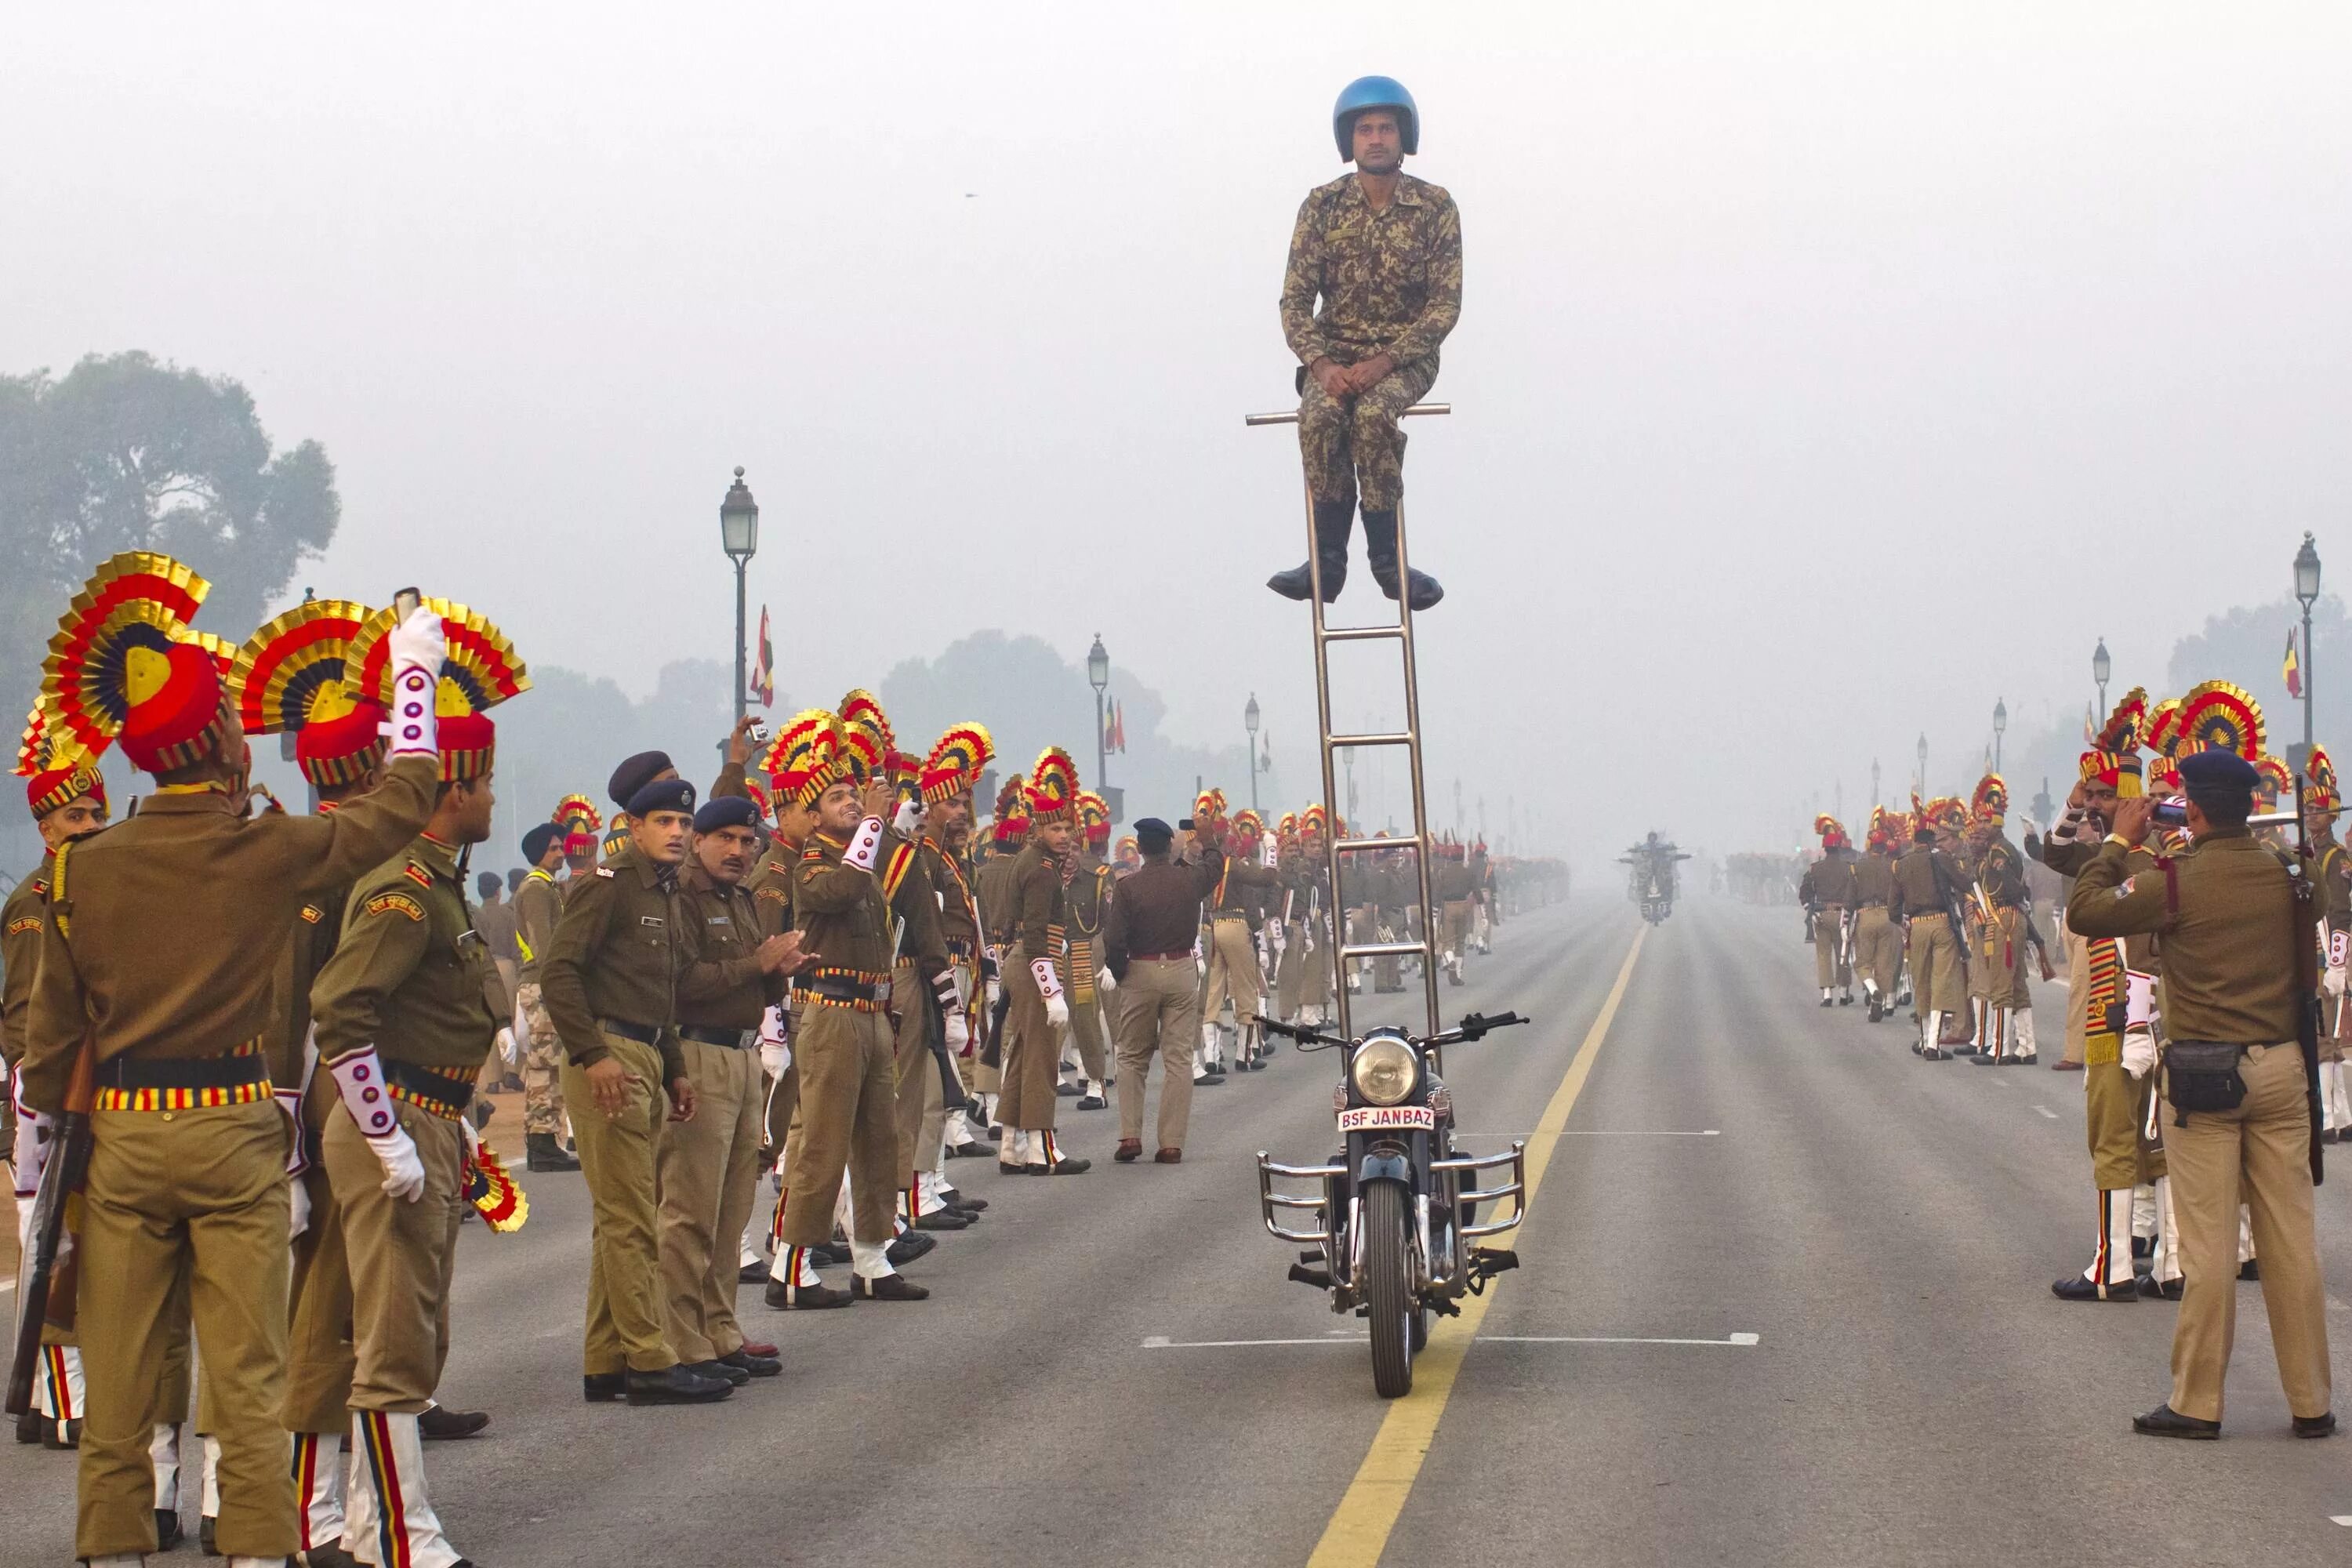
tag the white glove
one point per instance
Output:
(775, 1053)
(520, 1024)
(300, 1219)
(1057, 1010)
(507, 1050)
(957, 1031)
(1200, 964)
(910, 818)
(995, 992)
(366, 1097)
(415, 649)
(2333, 980)
(2140, 1053)
(34, 1131)
(1106, 981)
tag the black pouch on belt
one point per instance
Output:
(2202, 1075)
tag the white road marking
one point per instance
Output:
(2345, 1518)
(1592, 1132)
(1743, 1341)
(1162, 1343)
(2047, 1111)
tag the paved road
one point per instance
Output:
(1738, 1163)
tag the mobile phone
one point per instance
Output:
(1184, 824)
(2172, 812)
(404, 602)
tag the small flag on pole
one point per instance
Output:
(763, 665)
(2089, 725)
(1118, 728)
(2294, 670)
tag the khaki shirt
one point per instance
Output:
(165, 930)
(1390, 279)
(617, 954)
(842, 915)
(538, 905)
(722, 986)
(952, 882)
(2001, 869)
(770, 886)
(2224, 957)
(1924, 883)
(993, 885)
(1157, 909)
(907, 883)
(20, 955)
(1038, 906)
(407, 977)
(1829, 881)
(1873, 879)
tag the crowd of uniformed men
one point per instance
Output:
(255, 1043)
(2199, 948)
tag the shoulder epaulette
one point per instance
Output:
(604, 870)
(41, 886)
(313, 914)
(417, 874)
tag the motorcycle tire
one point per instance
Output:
(1417, 1330)
(1388, 1289)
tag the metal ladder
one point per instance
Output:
(1408, 738)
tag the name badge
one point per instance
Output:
(653, 920)
(721, 921)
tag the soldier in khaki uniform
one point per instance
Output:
(2004, 1022)
(1827, 888)
(950, 773)
(1381, 251)
(1147, 943)
(609, 985)
(187, 1171)
(1039, 1008)
(2222, 913)
(67, 798)
(1232, 974)
(710, 1167)
(1925, 895)
(402, 1025)
(1451, 888)
(1086, 896)
(993, 888)
(1877, 944)
(539, 906)
(2332, 876)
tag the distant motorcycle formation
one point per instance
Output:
(1654, 880)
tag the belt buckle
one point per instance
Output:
(882, 992)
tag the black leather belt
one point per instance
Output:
(445, 1091)
(733, 1039)
(187, 1072)
(846, 988)
(644, 1034)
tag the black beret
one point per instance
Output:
(1153, 834)
(634, 775)
(662, 795)
(2219, 772)
(540, 840)
(726, 811)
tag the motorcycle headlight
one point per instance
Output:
(1385, 1071)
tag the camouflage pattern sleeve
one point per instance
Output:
(1443, 307)
(1302, 280)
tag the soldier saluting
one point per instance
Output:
(1383, 252)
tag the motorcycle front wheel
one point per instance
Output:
(1388, 1289)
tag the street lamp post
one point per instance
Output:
(1249, 722)
(1999, 724)
(2307, 589)
(1348, 761)
(1923, 765)
(738, 535)
(1873, 781)
(1099, 677)
(2100, 669)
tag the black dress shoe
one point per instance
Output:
(1091, 1102)
(786, 1297)
(438, 1421)
(942, 1219)
(60, 1435)
(908, 1248)
(2074, 1287)
(2328, 1135)
(1068, 1165)
(752, 1273)
(889, 1288)
(168, 1530)
(2251, 1269)
(206, 1525)
(968, 1151)
(28, 1428)
(2320, 1425)
(733, 1376)
(1825, 1002)
(677, 1385)
(543, 1152)
(969, 1205)
(597, 1387)
(1067, 1090)
(1209, 1080)
(751, 1366)
(2170, 1290)
(336, 1557)
(2164, 1421)
(833, 1252)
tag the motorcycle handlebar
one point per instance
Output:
(1472, 1026)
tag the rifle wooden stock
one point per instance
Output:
(49, 1280)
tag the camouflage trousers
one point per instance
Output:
(1352, 448)
(542, 1063)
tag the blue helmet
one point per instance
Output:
(1374, 92)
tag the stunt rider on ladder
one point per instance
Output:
(1384, 251)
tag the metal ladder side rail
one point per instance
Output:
(1409, 738)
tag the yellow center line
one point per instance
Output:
(1359, 1527)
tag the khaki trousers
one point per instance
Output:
(2114, 1110)
(1935, 983)
(2259, 1154)
(618, 1156)
(931, 1135)
(1315, 967)
(1033, 1052)
(915, 1071)
(542, 1068)
(2078, 997)
(1232, 971)
(1087, 1034)
(319, 1360)
(202, 1191)
(1290, 971)
(1457, 925)
(1827, 969)
(848, 1122)
(709, 1171)
(1159, 1014)
(1877, 948)
(402, 1257)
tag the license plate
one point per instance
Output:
(1381, 1118)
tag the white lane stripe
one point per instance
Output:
(1162, 1343)
(2047, 1111)
(2345, 1518)
(1602, 1132)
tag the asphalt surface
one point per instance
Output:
(1859, 1244)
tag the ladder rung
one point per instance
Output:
(1347, 844)
(1385, 950)
(1361, 634)
(1395, 738)
(1290, 415)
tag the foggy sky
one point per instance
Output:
(1815, 359)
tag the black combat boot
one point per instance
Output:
(543, 1152)
(1334, 521)
(1380, 550)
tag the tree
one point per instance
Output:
(125, 453)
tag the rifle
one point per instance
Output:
(48, 1275)
(2301, 930)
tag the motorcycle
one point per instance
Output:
(1393, 1223)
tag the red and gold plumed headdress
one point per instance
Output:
(479, 670)
(1094, 817)
(56, 769)
(292, 674)
(1990, 801)
(862, 711)
(956, 761)
(124, 665)
(2320, 782)
(2216, 716)
(577, 815)
(1209, 805)
(1248, 825)
(1286, 829)
(2274, 780)
(809, 756)
(2114, 756)
(2164, 774)
(758, 793)
(1315, 822)
(1012, 812)
(2162, 733)
(1050, 793)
